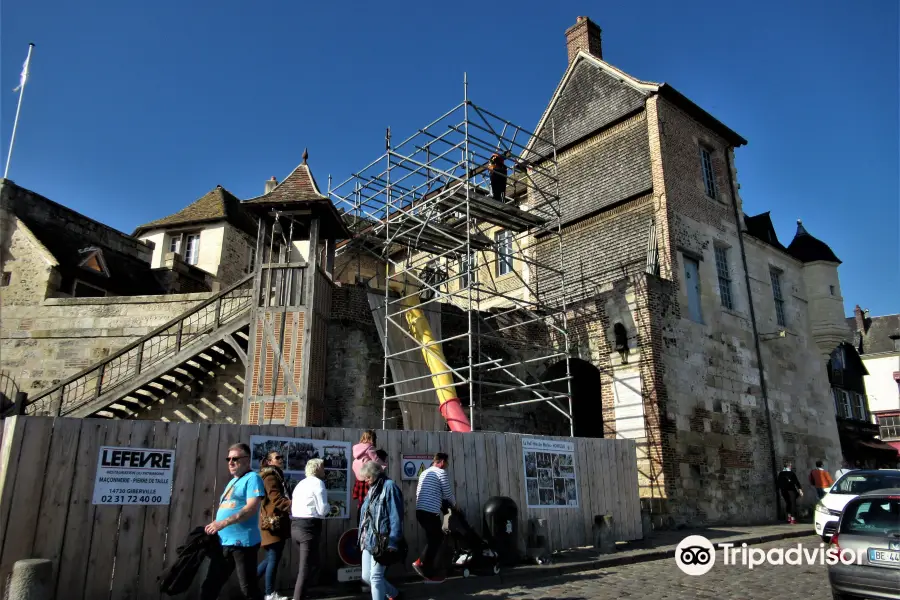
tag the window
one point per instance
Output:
(5, 279)
(175, 244)
(831, 289)
(724, 277)
(692, 282)
(81, 289)
(842, 403)
(889, 427)
(709, 175)
(192, 248)
(775, 276)
(504, 252)
(464, 270)
(876, 517)
(859, 407)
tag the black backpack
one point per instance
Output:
(177, 578)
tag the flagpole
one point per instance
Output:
(19, 107)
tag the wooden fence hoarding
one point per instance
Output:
(106, 551)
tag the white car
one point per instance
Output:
(852, 484)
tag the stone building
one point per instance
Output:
(214, 234)
(692, 330)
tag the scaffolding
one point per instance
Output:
(427, 212)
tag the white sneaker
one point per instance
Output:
(276, 597)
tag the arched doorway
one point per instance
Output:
(587, 405)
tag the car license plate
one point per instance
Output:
(883, 555)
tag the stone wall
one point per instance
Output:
(722, 434)
(237, 246)
(28, 268)
(40, 345)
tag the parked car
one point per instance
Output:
(870, 523)
(852, 484)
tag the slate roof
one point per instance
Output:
(806, 248)
(761, 227)
(877, 337)
(588, 111)
(128, 276)
(300, 191)
(216, 205)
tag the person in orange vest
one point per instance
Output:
(821, 479)
(498, 170)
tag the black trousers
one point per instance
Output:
(434, 537)
(790, 502)
(225, 559)
(306, 534)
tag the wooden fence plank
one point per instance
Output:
(502, 464)
(153, 537)
(131, 527)
(180, 516)
(517, 485)
(80, 515)
(204, 496)
(485, 476)
(412, 443)
(13, 436)
(106, 528)
(18, 539)
(60, 474)
(586, 485)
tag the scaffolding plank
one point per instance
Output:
(485, 208)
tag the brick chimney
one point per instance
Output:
(583, 35)
(270, 184)
(860, 320)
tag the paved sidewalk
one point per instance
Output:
(661, 545)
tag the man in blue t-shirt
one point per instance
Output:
(237, 523)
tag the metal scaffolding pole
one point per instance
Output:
(433, 221)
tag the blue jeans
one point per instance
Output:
(373, 574)
(269, 565)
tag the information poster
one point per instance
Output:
(134, 476)
(414, 464)
(296, 452)
(550, 480)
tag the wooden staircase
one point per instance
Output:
(167, 362)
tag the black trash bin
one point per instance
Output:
(501, 528)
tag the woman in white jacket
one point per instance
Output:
(309, 504)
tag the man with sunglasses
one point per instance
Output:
(237, 524)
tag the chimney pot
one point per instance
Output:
(584, 35)
(270, 184)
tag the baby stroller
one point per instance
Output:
(471, 553)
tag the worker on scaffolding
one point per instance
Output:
(497, 167)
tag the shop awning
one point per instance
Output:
(878, 445)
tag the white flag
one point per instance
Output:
(24, 76)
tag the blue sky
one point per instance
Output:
(135, 109)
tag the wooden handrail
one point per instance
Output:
(140, 342)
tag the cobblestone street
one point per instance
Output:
(662, 580)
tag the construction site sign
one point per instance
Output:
(414, 465)
(550, 480)
(134, 476)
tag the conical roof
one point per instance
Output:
(806, 248)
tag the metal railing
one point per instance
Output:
(135, 358)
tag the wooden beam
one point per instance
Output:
(229, 339)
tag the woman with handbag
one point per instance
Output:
(381, 531)
(309, 506)
(274, 520)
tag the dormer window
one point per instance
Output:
(92, 260)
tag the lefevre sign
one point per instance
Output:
(134, 476)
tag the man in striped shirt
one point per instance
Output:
(434, 494)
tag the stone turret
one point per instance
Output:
(823, 290)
